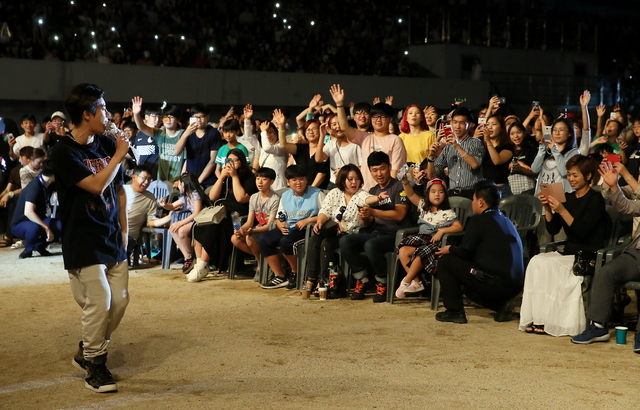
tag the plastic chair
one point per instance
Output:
(167, 239)
(525, 211)
(618, 235)
(464, 210)
(234, 254)
(159, 189)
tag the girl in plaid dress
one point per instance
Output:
(418, 252)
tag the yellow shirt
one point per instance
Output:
(417, 146)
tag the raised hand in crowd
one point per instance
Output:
(278, 119)
(248, 112)
(601, 110)
(494, 105)
(389, 100)
(337, 93)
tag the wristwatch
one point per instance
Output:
(11, 194)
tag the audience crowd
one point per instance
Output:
(350, 37)
(350, 178)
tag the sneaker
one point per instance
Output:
(179, 262)
(381, 293)
(256, 277)
(188, 264)
(402, 289)
(451, 316)
(414, 287)
(276, 282)
(99, 378)
(293, 283)
(636, 343)
(196, 275)
(78, 359)
(358, 292)
(18, 245)
(592, 334)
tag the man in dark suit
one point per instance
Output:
(488, 266)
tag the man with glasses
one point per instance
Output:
(201, 142)
(378, 140)
(361, 116)
(462, 155)
(170, 163)
(141, 205)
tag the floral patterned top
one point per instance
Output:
(429, 222)
(334, 204)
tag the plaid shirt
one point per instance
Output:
(461, 175)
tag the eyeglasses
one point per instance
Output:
(199, 117)
(341, 212)
(360, 112)
(145, 178)
(378, 117)
(168, 116)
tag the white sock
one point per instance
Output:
(201, 265)
(364, 280)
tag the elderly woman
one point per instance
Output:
(552, 296)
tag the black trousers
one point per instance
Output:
(456, 280)
(321, 251)
(614, 274)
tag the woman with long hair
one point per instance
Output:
(191, 198)
(499, 151)
(521, 178)
(232, 190)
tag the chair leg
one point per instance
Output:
(435, 293)
(232, 262)
(392, 274)
(167, 240)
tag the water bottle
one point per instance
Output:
(333, 276)
(283, 220)
(514, 163)
(235, 218)
(155, 244)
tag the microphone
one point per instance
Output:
(112, 131)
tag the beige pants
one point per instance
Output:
(102, 293)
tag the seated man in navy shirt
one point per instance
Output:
(487, 266)
(384, 218)
(30, 222)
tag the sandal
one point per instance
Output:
(539, 330)
(529, 328)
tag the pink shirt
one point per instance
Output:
(390, 144)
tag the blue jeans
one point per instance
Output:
(375, 245)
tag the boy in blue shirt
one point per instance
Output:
(299, 207)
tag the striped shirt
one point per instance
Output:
(461, 175)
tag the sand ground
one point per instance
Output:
(230, 345)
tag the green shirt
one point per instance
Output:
(169, 164)
(224, 151)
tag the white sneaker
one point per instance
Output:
(414, 287)
(400, 292)
(18, 245)
(196, 275)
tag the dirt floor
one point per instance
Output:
(230, 345)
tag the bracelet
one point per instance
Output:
(339, 106)
(279, 130)
(431, 159)
(628, 179)
(464, 155)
